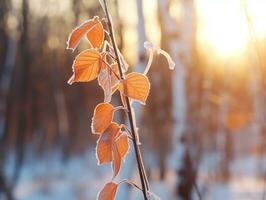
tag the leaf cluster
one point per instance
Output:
(100, 62)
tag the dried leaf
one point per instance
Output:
(104, 60)
(105, 82)
(122, 96)
(102, 117)
(114, 88)
(108, 192)
(105, 142)
(135, 86)
(86, 66)
(120, 149)
(93, 27)
(114, 80)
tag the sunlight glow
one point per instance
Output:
(223, 25)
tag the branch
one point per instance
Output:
(144, 182)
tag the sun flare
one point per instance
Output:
(224, 28)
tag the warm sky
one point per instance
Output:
(222, 25)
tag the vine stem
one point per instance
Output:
(142, 173)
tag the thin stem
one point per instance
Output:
(131, 119)
(149, 62)
(130, 183)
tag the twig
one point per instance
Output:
(131, 119)
(130, 183)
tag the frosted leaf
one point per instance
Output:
(151, 48)
(105, 82)
(124, 63)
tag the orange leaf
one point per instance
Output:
(92, 28)
(96, 35)
(104, 144)
(120, 149)
(136, 86)
(108, 192)
(122, 145)
(86, 66)
(102, 117)
(116, 164)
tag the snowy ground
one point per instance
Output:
(80, 178)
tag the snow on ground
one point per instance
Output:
(48, 178)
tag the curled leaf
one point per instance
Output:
(135, 86)
(86, 66)
(104, 151)
(102, 117)
(108, 192)
(153, 49)
(94, 30)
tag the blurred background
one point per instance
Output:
(204, 125)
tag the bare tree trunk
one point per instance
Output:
(161, 79)
(181, 45)
(24, 91)
(3, 32)
(5, 85)
(141, 32)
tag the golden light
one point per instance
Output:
(256, 10)
(223, 27)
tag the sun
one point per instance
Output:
(223, 27)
